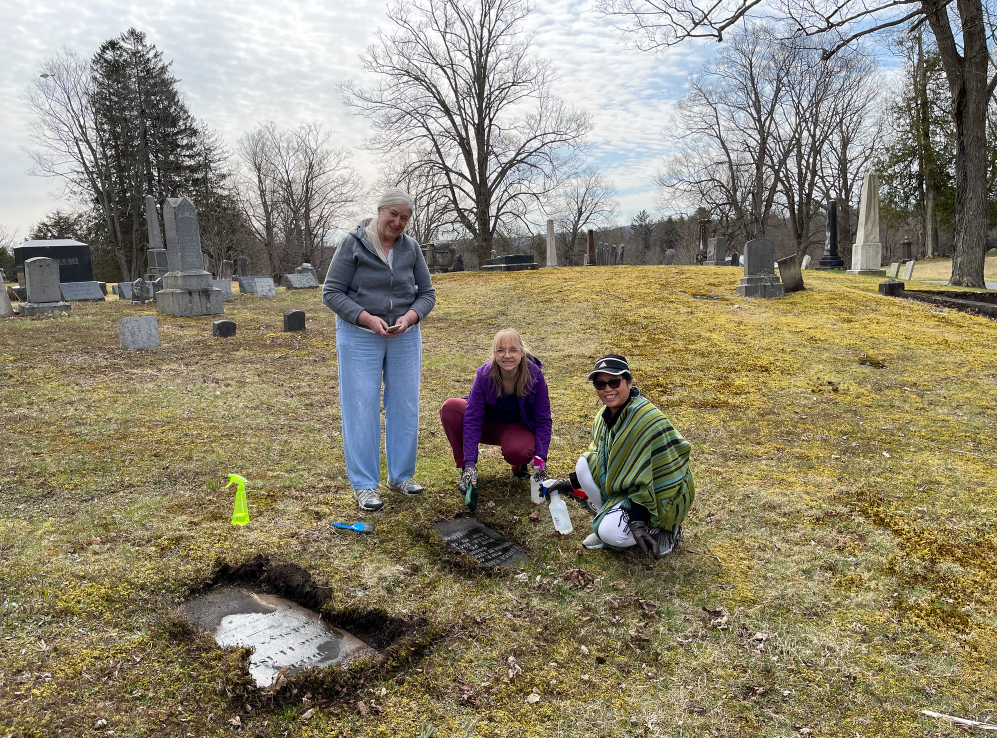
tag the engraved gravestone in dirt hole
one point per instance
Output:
(481, 543)
(282, 633)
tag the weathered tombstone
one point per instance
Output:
(158, 261)
(831, 259)
(790, 274)
(482, 544)
(590, 250)
(41, 287)
(805, 264)
(704, 235)
(225, 271)
(139, 333)
(735, 259)
(909, 269)
(141, 292)
(307, 268)
(246, 284)
(6, 309)
(294, 320)
(242, 267)
(223, 329)
(551, 244)
(264, 287)
(81, 292)
(458, 264)
(208, 263)
(494, 254)
(669, 256)
(187, 288)
(225, 285)
(304, 281)
(716, 250)
(893, 271)
(867, 253)
(759, 275)
(123, 290)
(891, 287)
(906, 250)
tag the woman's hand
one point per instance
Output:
(374, 323)
(406, 321)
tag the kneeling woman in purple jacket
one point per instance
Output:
(508, 407)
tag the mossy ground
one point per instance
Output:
(839, 566)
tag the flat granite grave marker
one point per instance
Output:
(294, 320)
(223, 329)
(479, 542)
(306, 281)
(282, 634)
(139, 333)
(790, 273)
(81, 292)
(264, 287)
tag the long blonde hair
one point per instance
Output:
(524, 380)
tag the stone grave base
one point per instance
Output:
(37, 308)
(188, 303)
(766, 285)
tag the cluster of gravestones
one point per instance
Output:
(143, 332)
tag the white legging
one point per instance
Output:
(613, 527)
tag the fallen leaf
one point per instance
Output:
(362, 709)
(619, 585)
(533, 699)
(102, 723)
(585, 650)
(534, 517)
(235, 722)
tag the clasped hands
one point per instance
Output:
(380, 327)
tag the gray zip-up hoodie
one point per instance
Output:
(359, 280)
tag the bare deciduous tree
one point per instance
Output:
(295, 190)
(963, 31)
(456, 79)
(584, 201)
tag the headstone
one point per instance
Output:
(294, 320)
(159, 263)
(551, 244)
(152, 224)
(225, 270)
(805, 264)
(458, 264)
(307, 268)
(141, 292)
(304, 281)
(590, 247)
(893, 271)
(909, 269)
(283, 637)
(139, 333)
(81, 292)
(891, 287)
(188, 289)
(246, 284)
(41, 287)
(264, 287)
(831, 259)
(20, 293)
(906, 250)
(482, 544)
(509, 263)
(225, 285)
(735, 259)
(867, 253)
(6, 309)
(759, 275)
(669, 256)
(790, 273)
(494, 254)
(207, 263)
(716, 250)
(223, 329)
(123, 290)
(242, 267)
(704, 235)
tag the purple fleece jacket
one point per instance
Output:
(534, 408)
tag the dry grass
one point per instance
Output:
(841, 562)
(941, 269)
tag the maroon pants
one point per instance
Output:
(515, 439)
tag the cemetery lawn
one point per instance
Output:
(837, 575)
(941, 270)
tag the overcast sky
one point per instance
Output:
(241, 63)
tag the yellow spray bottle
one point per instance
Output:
(240, 513)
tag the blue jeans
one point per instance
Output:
(365, 359)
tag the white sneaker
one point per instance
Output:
(368, 499)
(592, 541)
(408, 486)
(667, 539)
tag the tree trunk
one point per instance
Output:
(927, 157)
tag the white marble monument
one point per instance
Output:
(867, 253)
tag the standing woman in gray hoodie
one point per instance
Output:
(379, 286)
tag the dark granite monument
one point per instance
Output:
(72, 257)
(482, 544)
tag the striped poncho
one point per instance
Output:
(642, 459)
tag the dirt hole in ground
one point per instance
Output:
(292, 623)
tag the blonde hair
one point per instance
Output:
(524, 380)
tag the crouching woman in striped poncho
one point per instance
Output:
(636, 471)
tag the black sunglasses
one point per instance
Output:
(612, 383)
